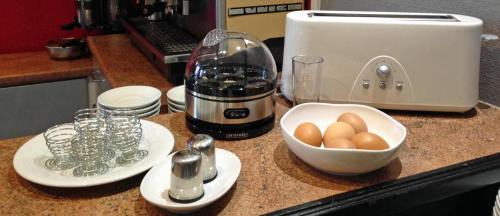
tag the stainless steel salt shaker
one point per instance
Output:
(186, 181)
(206, 145)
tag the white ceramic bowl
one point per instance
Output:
(342, 161)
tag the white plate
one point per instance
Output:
(150, 113)
(175, 106)
(176, 103)
(138, 111)
(176, 110)
(176, 94)
(171, 111)
(149, 108)
(131, 97)
(155, 185)
(30, 157)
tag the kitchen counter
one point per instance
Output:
(272, 177)
(37, 67)
(122, 64)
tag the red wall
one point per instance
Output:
(27, 25)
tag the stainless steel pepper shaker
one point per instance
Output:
(206, 145)
(186, 181)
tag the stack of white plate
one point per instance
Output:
(496, 208)
(142, 100)
(176, 99)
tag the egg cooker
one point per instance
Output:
(230, 84)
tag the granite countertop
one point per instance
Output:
(271, 177)
(37, 67)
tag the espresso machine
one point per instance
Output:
(167, 31)
(103, 15)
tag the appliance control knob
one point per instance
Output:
(366, 84)
(382, 85)
(383, 71)
(399, 85)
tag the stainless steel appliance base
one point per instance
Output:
(231, 132)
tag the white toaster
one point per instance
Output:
(404, 61)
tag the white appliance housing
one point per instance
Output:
(404, 61)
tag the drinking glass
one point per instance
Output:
(58, 140)
(306, 71)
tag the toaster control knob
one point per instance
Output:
(399, 85)
(366, 84)
(382, 85)
(383, 71)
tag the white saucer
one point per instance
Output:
(175, 110)
(131, 97)
(175, 106)
(140, 111)
(30, 157)
(176, 95)
(155, 185)
(171, 111)
(148, 108)
(150, 113)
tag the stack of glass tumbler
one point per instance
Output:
(93, 140)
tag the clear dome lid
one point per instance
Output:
(230, 64)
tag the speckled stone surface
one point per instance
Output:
(123, 65)
(37, 67)
(271, 177)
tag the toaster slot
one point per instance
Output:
(412, 17)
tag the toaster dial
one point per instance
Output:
(383, 71)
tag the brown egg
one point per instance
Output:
(370, 141)
(342, 143)
(308, 133)
(338, 130)
(354, 120)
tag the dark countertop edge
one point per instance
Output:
(411, 191)
(52, 76)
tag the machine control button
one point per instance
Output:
(399, 85)
(236, 11)
(281, 8)
(366, 84)
(250, 10)
(383, 71)
(262, 9)
(294, 7)
(238, 113)
(382, 85)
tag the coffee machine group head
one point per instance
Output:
(96, 14)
